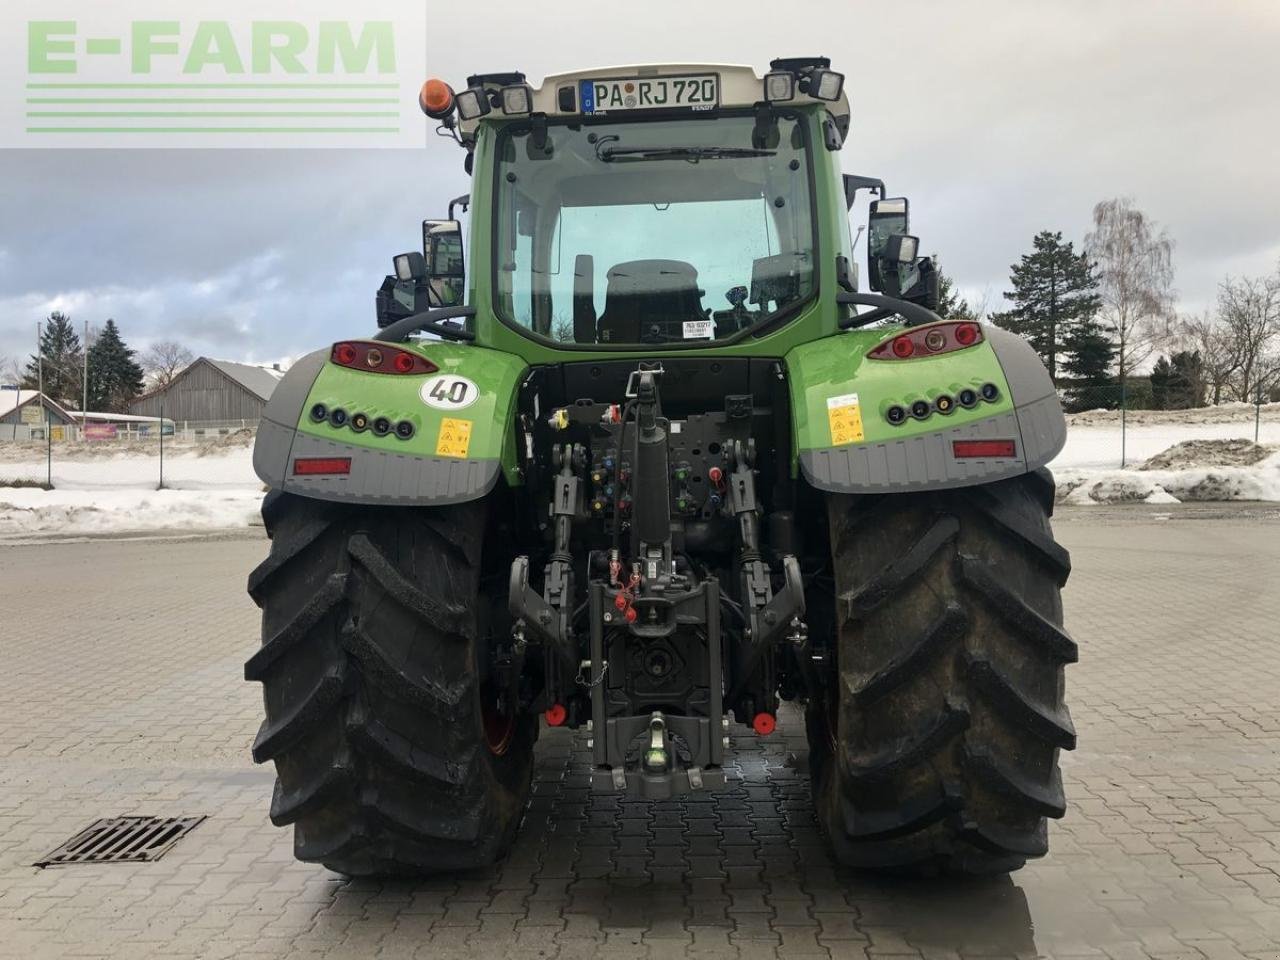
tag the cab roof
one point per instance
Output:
(740, 86)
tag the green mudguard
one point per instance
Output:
(436, 437)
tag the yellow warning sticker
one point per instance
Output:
(454, 439)
(844, 417)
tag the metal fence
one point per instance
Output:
(1141, 418)
(75, 455)
(178, 430)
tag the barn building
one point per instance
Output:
(24, 407)
(212, 391)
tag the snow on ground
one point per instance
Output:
(98, 490)
(110, 488)
(1088, 469)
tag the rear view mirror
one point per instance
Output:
(445, 270)
(888, 218)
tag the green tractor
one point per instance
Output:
(649, 461)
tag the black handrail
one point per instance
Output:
(428, 320)
(913, 313)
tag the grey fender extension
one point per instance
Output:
(928, 463)
(378, 477)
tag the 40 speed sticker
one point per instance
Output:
(448, 391)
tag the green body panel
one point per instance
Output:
(838, 366)
(396, 397)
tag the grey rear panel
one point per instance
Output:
(928, 463)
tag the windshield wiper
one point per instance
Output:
(691, 154)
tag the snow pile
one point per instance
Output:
(88, 512)
(1171, 456)
(1194, 470)
(1208, 453)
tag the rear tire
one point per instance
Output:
(391, 754)
(936, 750)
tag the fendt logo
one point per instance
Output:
(134, 74)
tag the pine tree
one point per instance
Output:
(1091, 353)
(63, 362)
(1161, 375)
(1054, 293)
(952, 306)
(115, 378)
(1187, 380)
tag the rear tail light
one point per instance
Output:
(380, 358)
(928, 341)
(983, 449)
(316, 466)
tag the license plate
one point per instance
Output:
(700, 92)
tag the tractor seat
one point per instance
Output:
(648, 297)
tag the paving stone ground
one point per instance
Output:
(121, 694)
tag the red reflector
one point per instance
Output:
(903, 347)
(763, 724)
(344, 353)
(966, 334)
(312, 466)
(555, 715)
(984, 448)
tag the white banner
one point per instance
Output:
(212, 73)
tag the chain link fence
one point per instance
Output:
(126, 453)
(1129, 420)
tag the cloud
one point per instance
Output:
(997, 118)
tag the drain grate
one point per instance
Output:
(122, 840)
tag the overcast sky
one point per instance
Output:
(998, 119)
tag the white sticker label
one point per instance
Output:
(699, 329)
(449, 392)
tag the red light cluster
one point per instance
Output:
(379, 358)
(928, 341)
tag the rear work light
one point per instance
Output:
(317, 466)
(928, 341)
(379, 358)
(983, 449)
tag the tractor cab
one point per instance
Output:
(654, 206)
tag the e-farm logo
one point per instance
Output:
(103, 79)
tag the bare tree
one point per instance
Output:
(10, 370)
(163, 361)
(1250, 312)
(1208, 336)
(1134, 259)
